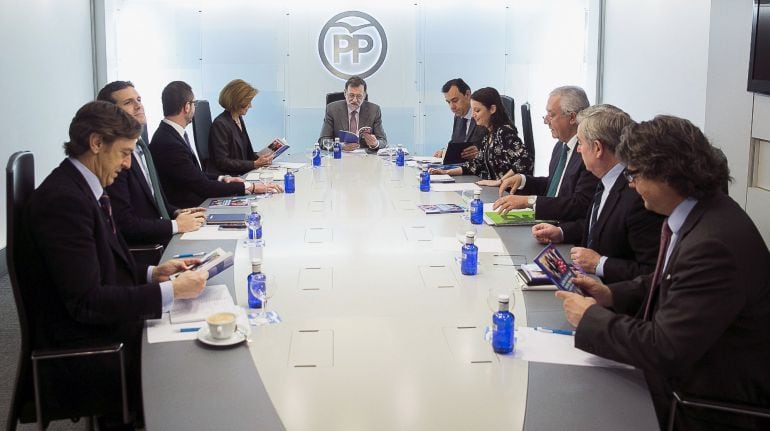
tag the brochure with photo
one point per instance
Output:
(441, 208)
(557, 269)
(229, 202)
(276, 148)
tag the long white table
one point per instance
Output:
(380, 329)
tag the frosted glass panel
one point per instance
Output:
(524, 48)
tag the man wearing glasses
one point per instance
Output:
(355, 115)
(698, 324)
(566, 193)
(179, 168)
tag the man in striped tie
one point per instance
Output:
(698, 325)
(140, 209)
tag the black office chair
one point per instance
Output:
(28, 404)
(333, 97)
(526, 126)
(201, 125)
(508, 104)
(680, 402)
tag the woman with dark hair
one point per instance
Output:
(501, 150)
(229, 144)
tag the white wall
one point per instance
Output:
(656, 57)
(46, 74)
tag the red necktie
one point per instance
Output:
(665, 239)
(104, 201)
(353, 123)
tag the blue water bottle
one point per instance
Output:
(254, 223)
(288, 181)
(477, 208)
(337, 148)
(470, 262)
(317, 155)
(425, 179)
(399, 156)
(502, 327)
(255, 283)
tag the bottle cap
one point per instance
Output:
(256, 264)
(254, 206)
(425, 167)
(503, 299)
(470, 237)
(476, 193)
(317, 144)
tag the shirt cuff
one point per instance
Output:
(174, 227)
(149, 273)
(600, 266)
(221, 177)
(166, 295)
(523, 181)
(248, 187)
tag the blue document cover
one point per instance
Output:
(347, 137)
(557, 269)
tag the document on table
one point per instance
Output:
(536, 346)
(290, 165)
(213, 232)
(189, 315)
(277, 171)
(426, 159)
(453, 187)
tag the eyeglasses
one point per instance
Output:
(548, 116)
(630, 174)
(193, 103)
(358, 97)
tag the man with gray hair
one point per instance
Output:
(566, 192)
(618, 238)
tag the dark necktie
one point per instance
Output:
(595, 210)
(154, 182)
(104, 201)
(463, 135)
(665, 239)
(353, 123)
(195, 153)
(554, 185)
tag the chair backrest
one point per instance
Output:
(339, 95)
(19, 183)
(526, 125)
(201, 126)
(508, 103)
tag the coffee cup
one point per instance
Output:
(221, 325)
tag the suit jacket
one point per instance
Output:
(135, 210)
(708, 334)
(575, 194)
(337, 118)
(85, 286)
(230, 150)
(625, 231)
(184, 183)
(475, 135)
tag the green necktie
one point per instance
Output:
(155, 184)
(554, 185)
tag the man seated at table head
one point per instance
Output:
(353, 114)
(617, 238)
(85, 288)
(458, 97)
(179, 169)
(139, 206)
(698, 324)
(566, 192)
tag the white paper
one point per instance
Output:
(290, 165)
(213, 299)
(536, 346)
(277, 171)
(453, 187)
(426, 159)
(213, 232)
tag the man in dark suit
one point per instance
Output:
(699, 324)
(618, 238)
(352, 114)
(85, 288)
(183, 180)
(566, 192)
(458, 96)
(139, 205)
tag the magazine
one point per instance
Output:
(557, 269)
(229, 202)
(276, 148)
(441, 208)
(214, 262)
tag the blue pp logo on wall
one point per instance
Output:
(352, 43)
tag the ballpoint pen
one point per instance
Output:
(189, 329)
(180, 255)
(554, 330)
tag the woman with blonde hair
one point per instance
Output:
(230, 150)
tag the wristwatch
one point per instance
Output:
(531, 201)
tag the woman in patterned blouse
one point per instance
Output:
(501, 150)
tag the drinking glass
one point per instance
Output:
(265, 317)
(467, 196)
(327, 144)
(266, 177)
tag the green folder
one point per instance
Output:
(525, 217)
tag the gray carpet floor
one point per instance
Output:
(9, 356)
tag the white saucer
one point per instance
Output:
(204, 336)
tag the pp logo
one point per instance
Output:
(352, 43)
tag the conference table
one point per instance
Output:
(380, 330)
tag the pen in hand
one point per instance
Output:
(554, 330)
(183, 255)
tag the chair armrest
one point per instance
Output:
(45, 354)
(722, 406)
(149, 254)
